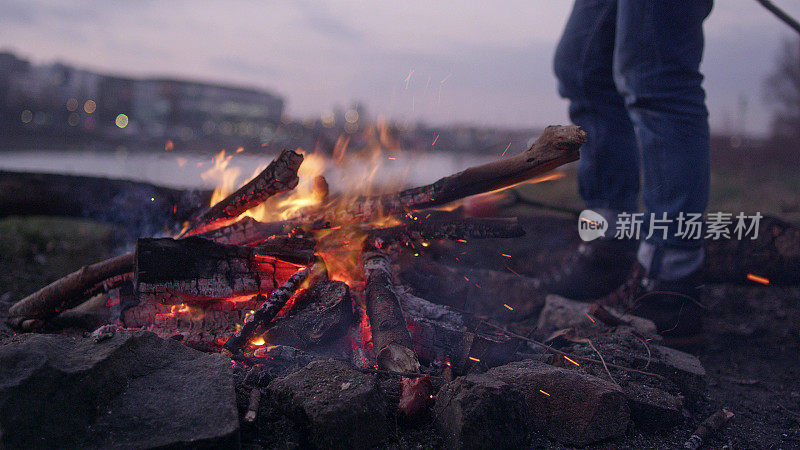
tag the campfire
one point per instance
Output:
(303, 291)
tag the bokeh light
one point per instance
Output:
(90, 106)
(121, 120)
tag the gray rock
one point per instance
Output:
(568, 406)
(653, 409)
(339, 405)
(133, 390)
(559, 313)
(479, 411)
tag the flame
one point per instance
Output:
(222, 176)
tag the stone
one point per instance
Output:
(338, 405)
(560, 313)
(131, 390)
(653, 409)
(567, 405)
(479, 411)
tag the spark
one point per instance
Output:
(507, 147)
(543, 392)
(462, 240)
(509, 308)
(584, 219)
(757, 278)
(408, 78)
(465, 277)
(152, 199)
(503, 254)
(168, 146)
(392, 157)
(240, 150)
(448, 363)
(446, 78)
(478, 285)
(425, 244)
(548, 177)
(570, 360)
(515, 273)
(474, 359)
(590, 317)
(434, 140)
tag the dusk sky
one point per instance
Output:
(463, 61)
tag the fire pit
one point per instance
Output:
(302, 297)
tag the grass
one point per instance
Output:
(773, 191)
(35, 251)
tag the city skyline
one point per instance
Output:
(465, 62)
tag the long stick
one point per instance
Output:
(780, 14)
(52, 299)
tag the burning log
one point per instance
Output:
(462, 228)
(557, 145)
(279, 176)
(170, 271)
(268, 310)
(70, 290)
(248, 231)
(390, 337)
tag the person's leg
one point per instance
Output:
(608, 169)
(656, 66)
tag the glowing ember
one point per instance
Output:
(570, 360)
(258, 341)
(757, 278)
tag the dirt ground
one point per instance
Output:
(751, 354)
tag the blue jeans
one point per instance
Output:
(630, 69)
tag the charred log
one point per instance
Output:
(463, 228)
(440, 334)
(505, 297)
(320, 316)
(248, 231)
(279, 176)
(173, 271)
(268, 310)
(390, 336)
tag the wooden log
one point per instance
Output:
(252, 407)
(502, 296)
(319, 318)
(142, 208)
(443, 335)
(248, 231)
(61, 294)
(390, 336)
(193, 269)
(268, 310)
(556, 146)
(461, 228)
(279, 176)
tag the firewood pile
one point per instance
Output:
(340, 353)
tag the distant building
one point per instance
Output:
(55, 99)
